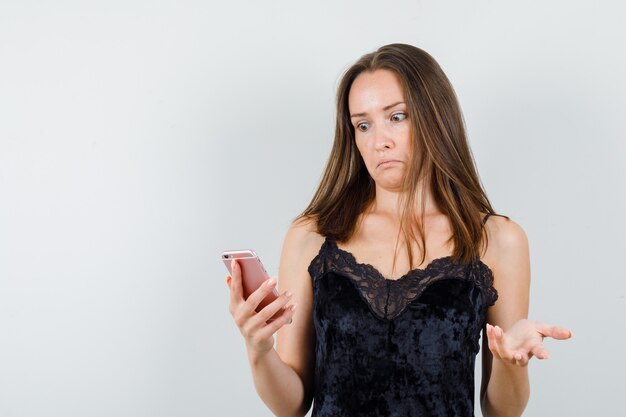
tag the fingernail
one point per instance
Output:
(293, 307)
(271, 282)
(288, 294)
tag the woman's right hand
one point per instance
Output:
(258, 334)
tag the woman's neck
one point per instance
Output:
(391, 203)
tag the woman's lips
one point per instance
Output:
(387, 162)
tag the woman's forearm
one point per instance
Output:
(278, 385)
(507, 392)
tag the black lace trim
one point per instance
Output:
(387, 298)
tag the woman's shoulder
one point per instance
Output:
(504, 233)
(303, 232)
(302, 242)
(507, 241)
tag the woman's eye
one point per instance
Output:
(363, 126)
(398, 117)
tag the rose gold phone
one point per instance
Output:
(253, 274)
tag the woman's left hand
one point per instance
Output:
(523, 340)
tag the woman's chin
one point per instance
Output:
(395, 186)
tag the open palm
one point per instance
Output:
(523, 340)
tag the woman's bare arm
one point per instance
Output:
(282, 376)
(505, 388)
(510, 339)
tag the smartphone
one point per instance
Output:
(253, 274)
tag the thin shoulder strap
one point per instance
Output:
(493, 214)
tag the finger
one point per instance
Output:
(521, 359)
(503, 351)
(274, 307)
(555, 332)
(540, 352)
(275, 325)
(260, 293)
(491, 341)
(236, 292)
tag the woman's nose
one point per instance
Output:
(383, 139)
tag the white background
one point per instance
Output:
(138, 139)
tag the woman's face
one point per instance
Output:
(382, 129)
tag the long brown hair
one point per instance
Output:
(442, 159)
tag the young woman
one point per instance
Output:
(396, 266)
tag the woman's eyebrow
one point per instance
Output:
(384, 109)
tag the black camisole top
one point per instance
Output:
(402, 347)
